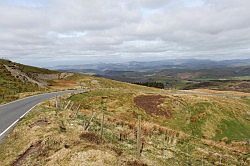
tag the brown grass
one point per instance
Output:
(151, 104)
(90, 137)
(135, 163)
(40, 122)
(62, 84)
(34, 148)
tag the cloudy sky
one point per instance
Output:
(53, 32)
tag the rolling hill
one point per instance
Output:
(176, 74)
(117, 123)
(16, 79)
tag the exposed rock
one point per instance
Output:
(35, 78)
(53, 76)
(15, 72)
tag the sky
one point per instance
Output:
(61, 32)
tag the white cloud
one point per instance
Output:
(83, 30)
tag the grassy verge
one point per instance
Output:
(192, 135)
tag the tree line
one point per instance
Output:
(151, 84)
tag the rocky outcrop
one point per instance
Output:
(15, 72)
(53, 76)
(39, 79)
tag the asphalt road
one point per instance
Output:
(12, 112)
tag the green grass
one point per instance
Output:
(241, 78)
(10, 86)
(196, 122)
(121, 117)
(31, 69)
(246, 100)
(192, 117)
(27, 68)
(233, 130)
(202, 117)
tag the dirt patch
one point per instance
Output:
(135, 163)
(91, 137)
(151, 104)
(40, 122)
(63, 83)
(36, 147)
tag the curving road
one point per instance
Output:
(12, 112)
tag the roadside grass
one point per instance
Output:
(206, 113)
(191, 135)
(57, 136)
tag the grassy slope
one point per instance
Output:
(200, 129)
(10, 86)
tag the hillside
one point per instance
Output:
(230, 75)
(100, 127)
(16, 79)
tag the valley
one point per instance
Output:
(118, 123)
(231, 75)
(125, 83)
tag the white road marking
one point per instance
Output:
(9, 127)
(17, 120)
(26, 111)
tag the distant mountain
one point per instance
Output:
(180, 73)
(155, 65)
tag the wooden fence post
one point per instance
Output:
(67, 105)
(56, 102)
(104, 108)
(202, 160)
(77, 110)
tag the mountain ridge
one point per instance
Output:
(171, 63)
